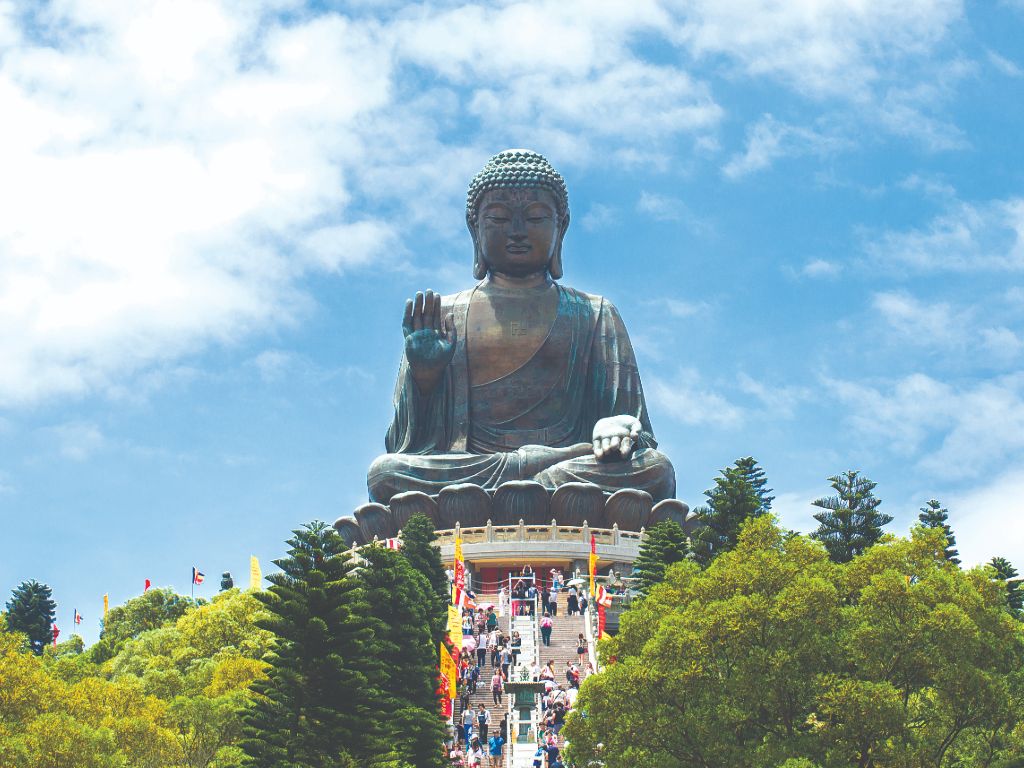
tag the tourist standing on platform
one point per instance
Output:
(481, 620)
(583, 602)
(492, 646)
(546, 625)
(467, 726)
(517, 647)
(492, 620)
(531, 599)
(581, 648)
(553, 601)
(481, 650)
(496, 686)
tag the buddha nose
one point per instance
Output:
(518, 230)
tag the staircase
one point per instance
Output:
(483, 688)
(564, 640)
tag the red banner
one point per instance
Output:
(600, 621)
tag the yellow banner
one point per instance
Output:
(448, 670)
(593, 571)
(455, 627)
(106, 606)
(255, 574)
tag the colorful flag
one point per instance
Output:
(604, 597)
(147, 586)
(394, 543)
(593, 561)
(462, 599)
(455, 627)
(255, 574)
(460, 568)
(449, 670)
(78, 617)
(197, 575)
(600, 621)
(106, 606)
(56, 632)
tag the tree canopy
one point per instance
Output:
(776, 653)
(31, 611)
(663, 545)
(849, 521)
(739, 493)
(934, 515)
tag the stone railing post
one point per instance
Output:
(490, 531)
(554, 530)
(615, 534)
(458, 530)
(586, 532)
(521, 532)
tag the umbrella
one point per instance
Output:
(575, 583)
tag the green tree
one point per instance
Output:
(403, 678)
(775, 653)
(1006, 573)
(418, 539)
(739, 493)
(850, 521)
(31, 610)
(309, 712)
(663, 545)
(934, 515)
(153, 609)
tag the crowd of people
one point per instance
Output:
(490, 657)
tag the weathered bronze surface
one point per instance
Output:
(519, 377)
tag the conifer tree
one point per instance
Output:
(663, 545)
(418, 539)
(403, 677)
(850, 521)
(1006, 572)
(738, 494)
(31, 611)
(310, 711)
(934, 515)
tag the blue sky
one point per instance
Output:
(810, 215)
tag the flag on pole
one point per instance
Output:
(78, 617)
(461, 599)
(460, 567)
(146, 587)
(56, 632)
(106, 606)
(454, 627)
(393, 543)
(255, 574)
(197, 575)
(604, 597)
(600, 620)
(448, 670)
(593, 562)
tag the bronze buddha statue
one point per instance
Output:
(518, 377)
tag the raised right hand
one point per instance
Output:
(429, 342)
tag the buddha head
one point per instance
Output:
(517, 211)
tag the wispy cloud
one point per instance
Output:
(688, 400)
(821, 268)
(77, 440)
(768, 140)
(599, 216)
(968, 237)
(1004, 65)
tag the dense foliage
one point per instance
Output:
(739, 493)
(777, 656)
(31, 611)
(934, 515)
(663, 545)
(849, 522)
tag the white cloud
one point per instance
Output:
(668, 208)
(986, 519)
(795, 510)
(1003, 343)
(77, 440)
(969, 237)
(921, 324)
(820, 268)
(777, 401)
(689, 401)
(599, 216)
(952, 430)
(768, 140)
(1004, 65)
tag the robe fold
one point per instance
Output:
(487, 434)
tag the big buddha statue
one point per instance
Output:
(518, 377)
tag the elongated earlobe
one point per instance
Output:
(479, 267)
(555, 265)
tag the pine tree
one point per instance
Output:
(403, 679)
(310, 711)
(850, 522)
(418, 539)
(663, 545)
(32, 611)
(738, 494)
(934, 515)
(1006, 572)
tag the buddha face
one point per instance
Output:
(517, 230)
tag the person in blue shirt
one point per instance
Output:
(494, 745)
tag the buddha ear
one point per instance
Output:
(479, 265)
(555, 265)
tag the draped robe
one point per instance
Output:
(518, 426)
